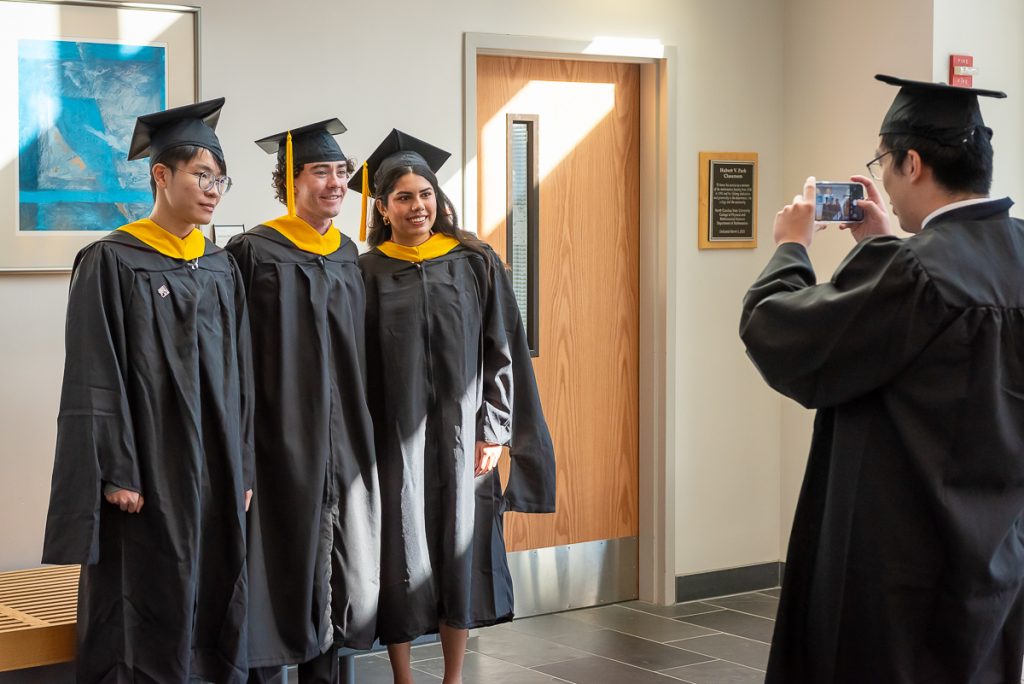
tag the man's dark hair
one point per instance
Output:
(278, 179)
(175, 156)
(964, 167)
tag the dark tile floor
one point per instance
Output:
(715, 641)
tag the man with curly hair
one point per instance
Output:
(314, 544)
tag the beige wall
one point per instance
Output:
(991, 31)
(31, 364)
(726, 426)
(831, 132)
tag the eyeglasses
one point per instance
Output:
(875, 165)
(207, 180)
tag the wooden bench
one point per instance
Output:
(37, 616)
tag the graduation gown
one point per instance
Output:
(314, 541)
(156, 399)
(449, 365)
(906, 558)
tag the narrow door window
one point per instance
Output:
(522, 218)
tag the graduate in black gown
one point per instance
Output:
(153, 468)
(314, 539)
(906, 559)
(451, 380)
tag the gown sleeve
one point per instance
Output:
(95, 440)
(827, 344)
(246, 390)
(494, 420)
(531, 483)
(374, 399)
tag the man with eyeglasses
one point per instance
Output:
(314, 541)
(153, 468)
(906, 559)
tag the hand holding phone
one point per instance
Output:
(837, 202)
(876, 216)
(795, 221)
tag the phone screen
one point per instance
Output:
(837, 202)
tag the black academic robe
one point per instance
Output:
(448, 366)
(156, 399)
(314, 536)
(906, 558)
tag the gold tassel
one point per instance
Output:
(289, 183)
(366, 193)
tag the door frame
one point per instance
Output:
(657, 400)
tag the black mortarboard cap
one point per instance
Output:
(948, 115)
(398, 149)
(192, 124)
(312, 143)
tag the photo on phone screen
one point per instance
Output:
(837, 202)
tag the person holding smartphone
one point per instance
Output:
(906, 559)
(153, 469)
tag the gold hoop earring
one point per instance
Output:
(387, 221)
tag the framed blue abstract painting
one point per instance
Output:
(84, 73)
(78, 102)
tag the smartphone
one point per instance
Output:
(837, 202)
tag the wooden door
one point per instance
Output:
(587, 128)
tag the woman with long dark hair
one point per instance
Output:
(450, 381)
